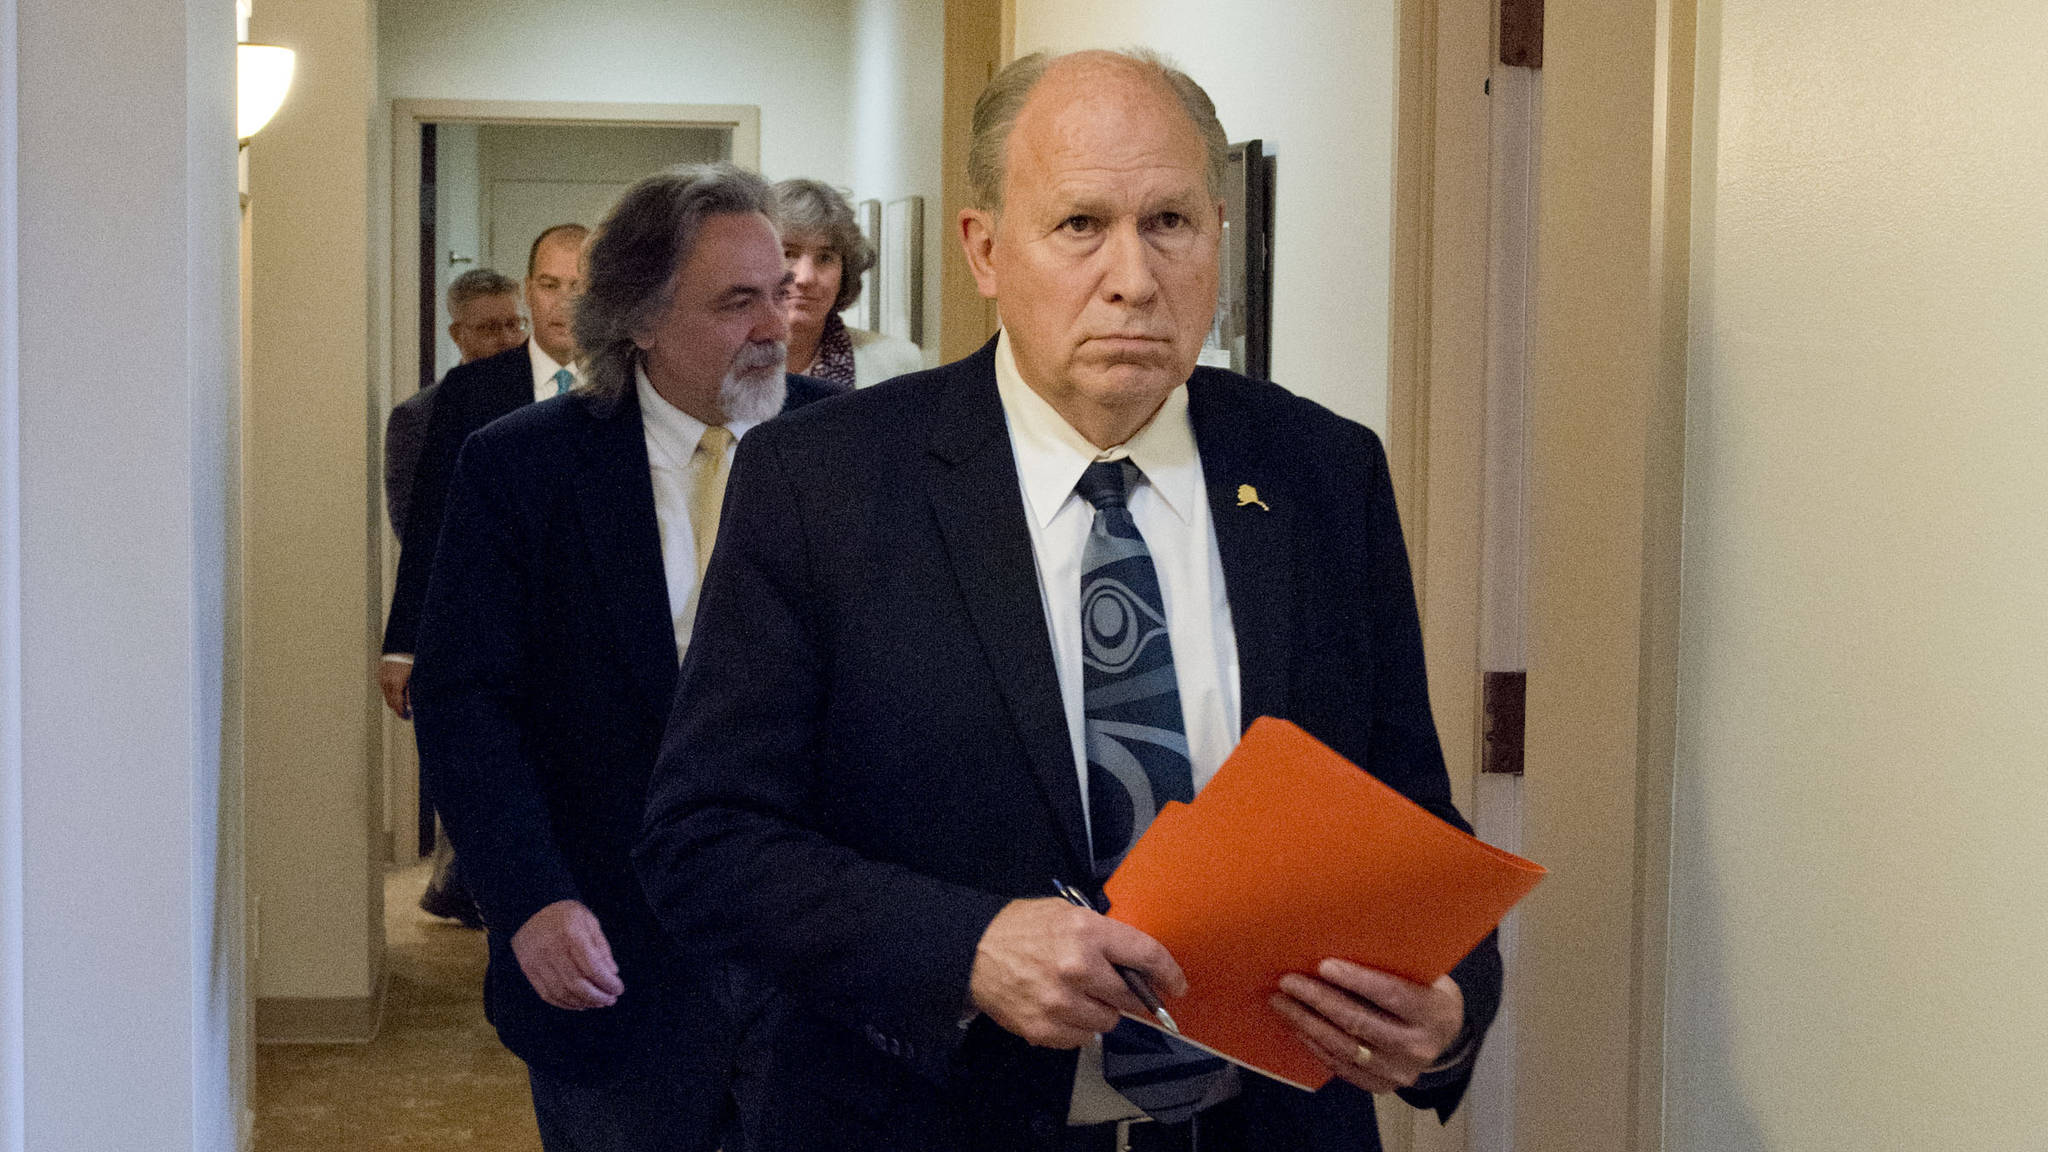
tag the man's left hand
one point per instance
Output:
(1372, 1028)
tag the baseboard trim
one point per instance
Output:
(320, 1019)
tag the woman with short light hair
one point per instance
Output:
(827, 255)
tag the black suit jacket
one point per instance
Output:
(405, 430)
(470, 396)
(868, 755)
(546, 666)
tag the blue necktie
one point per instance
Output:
(564, 380)
(1137, 758)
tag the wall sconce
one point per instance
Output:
(263, 74)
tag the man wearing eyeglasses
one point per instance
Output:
(503, 369)
(487, 314)
(487, 320)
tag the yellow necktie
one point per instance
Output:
(707, 491)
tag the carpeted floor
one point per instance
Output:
(435, 1076)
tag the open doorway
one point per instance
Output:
(488, 189)
(473, 183)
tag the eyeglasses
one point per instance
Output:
(515, 324)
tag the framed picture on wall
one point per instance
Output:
(1241, 339)
(867, 311)
(902, 267)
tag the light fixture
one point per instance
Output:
(263, 76)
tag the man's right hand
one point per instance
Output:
(392, 678)
(566, 957)
(1044, 970)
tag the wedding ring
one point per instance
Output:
(1362, 1057)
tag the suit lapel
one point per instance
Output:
(1255, 543)
(615, 506)
(980, 512)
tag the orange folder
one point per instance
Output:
(1292, 854)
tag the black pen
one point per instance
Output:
(1133, 978)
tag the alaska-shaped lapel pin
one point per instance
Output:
(1246, 494)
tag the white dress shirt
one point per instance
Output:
(672, 436)
(1171, 510)
(544, 369)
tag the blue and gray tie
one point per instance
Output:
(1137, 758)
(565, 379)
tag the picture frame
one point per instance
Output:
(1241, 337)
(866, 311)
(902, 268)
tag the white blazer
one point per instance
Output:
(877, 357)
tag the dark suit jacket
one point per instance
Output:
(546, 664)
(469, 397)
(405, 431)
(868, 755)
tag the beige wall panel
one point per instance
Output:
(314, 809)
(1602, 465)
(973, 37)
(1860, 802)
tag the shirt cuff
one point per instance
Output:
(398, 657)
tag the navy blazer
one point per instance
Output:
(868, 755)
(470, 396)
(546, 665)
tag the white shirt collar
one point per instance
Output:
(544, 366)
(674, 431)
(1051, 455)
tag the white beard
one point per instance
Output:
(755, 388)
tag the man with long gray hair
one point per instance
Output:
(562, 601)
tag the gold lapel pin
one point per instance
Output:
(1246, 494)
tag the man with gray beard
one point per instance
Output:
(560, 605)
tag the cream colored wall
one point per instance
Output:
(898, 79)
(117, 385)
(1857, 927)
(313, 805)
(1315, 81)
(789, 58)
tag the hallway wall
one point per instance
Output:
(119, 924)
(898, 91)
(1860, 797)
(1315, 81)
(790, 58)
(314, 810)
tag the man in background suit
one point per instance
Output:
(484, 304)
(472, 395)
(896, 729)
(561, 601)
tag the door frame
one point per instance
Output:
(401, 775)
(1606, 448)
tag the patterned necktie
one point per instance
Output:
(708, 470)
(1137, 758)
(565, 379)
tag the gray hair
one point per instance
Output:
(997, 109)
(478, 283)
(642, 245)
(816, 207)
